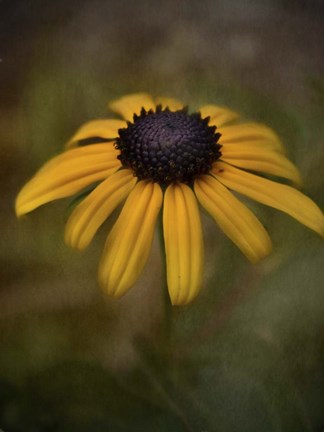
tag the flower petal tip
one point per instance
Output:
(317, 219)
(321, 230)
(111, 290)
(18, 211)
(20, 206)
(182, 301)
(261, 257)
(74, 245)
(297, 180)
(19, 214)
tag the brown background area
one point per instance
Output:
(248, 354)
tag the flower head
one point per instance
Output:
(162, 154)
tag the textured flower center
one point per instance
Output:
(167, 146)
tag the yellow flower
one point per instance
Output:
(160, 154)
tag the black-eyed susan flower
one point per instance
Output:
(160, 154)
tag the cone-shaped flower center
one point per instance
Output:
(167, 146)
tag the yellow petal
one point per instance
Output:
(250, 133)
(260, 159)
(279, 196)
(97, 128)
(81, 154)
(183, 243)
(129, 242)
(171, 103)
(219, 116)
(132, 104)
(66, 175)
(90, 214)
(234, 218)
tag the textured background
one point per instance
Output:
(248, 354)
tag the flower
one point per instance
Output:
(161, 154)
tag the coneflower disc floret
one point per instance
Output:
(168, 146)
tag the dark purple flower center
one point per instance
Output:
(168, 146)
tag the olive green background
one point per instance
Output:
(248, 353)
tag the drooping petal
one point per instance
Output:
(233, 217)
(129, 105)
(129, 242)
(183, 243)
(91, 213)
(279, 196)
(66, 175)
(219, 116)
(171, 103)
(260, 159)
(97, 128)
(250, 134)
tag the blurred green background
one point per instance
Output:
(248, 354)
